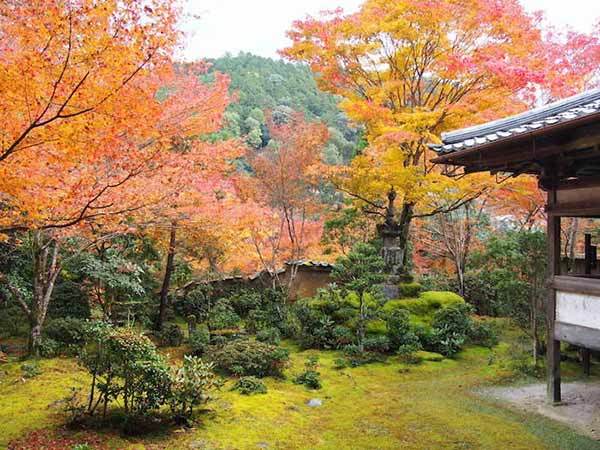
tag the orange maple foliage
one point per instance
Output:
(409, 70)
(282, 220)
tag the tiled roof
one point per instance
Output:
(307, 263)
(572, 108)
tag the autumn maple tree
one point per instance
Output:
(284, 185)
(97, 128)
(409, 70)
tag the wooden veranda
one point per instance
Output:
(560, 144)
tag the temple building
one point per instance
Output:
(559, 144)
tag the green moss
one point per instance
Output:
(384, 405)
(409, 290)
(26, 405)
(376, 327)
(426, 304)
(429, 356)
(437, 299)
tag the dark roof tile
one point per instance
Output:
(565, 110)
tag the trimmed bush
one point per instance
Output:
(245, 301)
(199, 341)
(269, 336)
(310, 378)
(429, 356)
(451, 327)
(409, 290)
(49, 348)
(245, 357)
(170, 336)
(67, 331)
(250, 386)
(399, 330)
(484, 334)
(222, 315)
(408, 353)
(357, 358)
(378, 344)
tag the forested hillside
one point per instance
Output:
(264, 85)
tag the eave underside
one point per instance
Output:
(563, 156)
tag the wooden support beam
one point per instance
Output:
(553, 353)
(586, 361)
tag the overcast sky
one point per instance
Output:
(219, 26)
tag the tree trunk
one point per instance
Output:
(45, 271)
(164, 292)
(404, 223)
(534, 328)
(460, 275)
(361, 324)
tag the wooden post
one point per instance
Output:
(586, 361)
(553, 352)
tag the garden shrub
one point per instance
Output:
(269, 335)
(196, 302)
(250, 386)
(409, 290)
(484, 334)
(327, 320)
(356, 357)
(267, 309)
(450, 328)
(245, 357)
(246, 300)
(49, 348)
(316, 328)
(380, 344)
(199, 340)
(68, 332)
(125, 367)
(342, 336)
(170, 336)
(31, 369)
(429, 356)
(399, 330)
(408, 353)
(340, 363)
(310, 378)
(191, 385)
(223, 316)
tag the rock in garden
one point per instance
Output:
(315, 402)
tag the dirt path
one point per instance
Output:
(580, 407)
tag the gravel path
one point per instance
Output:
(580, 407)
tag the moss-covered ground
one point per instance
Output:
(378, 406)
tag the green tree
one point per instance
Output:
(361, 271)
(513, 267)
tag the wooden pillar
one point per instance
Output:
(586, 361)
(553, 352)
